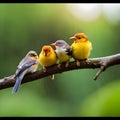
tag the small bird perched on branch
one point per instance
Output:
(28, 64)
(63, 51)
(47, 57)
(81, 47)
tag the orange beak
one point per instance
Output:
(54, 44)
(45, 52)
(72, 38)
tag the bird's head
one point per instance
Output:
(46, 50)
(79, 36)
(32, 54)
(59, 43)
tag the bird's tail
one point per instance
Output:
(18, 82)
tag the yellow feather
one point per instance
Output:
(48, 60)
(63, 57)
(81, 49)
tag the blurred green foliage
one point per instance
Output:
(25, 27)
(104, 102)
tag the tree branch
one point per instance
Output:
(102, 63)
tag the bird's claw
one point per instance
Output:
(44, 69)
(59, 66)
(78, 63)
(52, 77)
(67, 64)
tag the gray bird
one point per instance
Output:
(63, 51)
(28, 64)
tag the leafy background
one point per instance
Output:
(25, 27)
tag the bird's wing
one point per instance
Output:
(68, 50)
(24, 64)
(56, 53)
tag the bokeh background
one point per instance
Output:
(25, 27)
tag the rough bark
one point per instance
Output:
(102, 63)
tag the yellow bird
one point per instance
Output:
(47, 57)
(81, 47)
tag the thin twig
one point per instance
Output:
(99, 72)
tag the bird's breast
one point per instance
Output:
(48, 60)
(81, 50)
(62, 56)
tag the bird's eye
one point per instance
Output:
(79, 37)
(32, 55)
(58, 43)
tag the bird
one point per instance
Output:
(47, 58)
(28, 64)
(63, 51)
(81, 47)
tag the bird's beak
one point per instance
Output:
(72, 38)
(45, 52)
(36, 57)
(54, 44)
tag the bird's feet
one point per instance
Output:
(67, 64)
(78, 63)
(44, 69)
(52, 76)
(59, 66)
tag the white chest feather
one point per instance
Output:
(61, 54)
